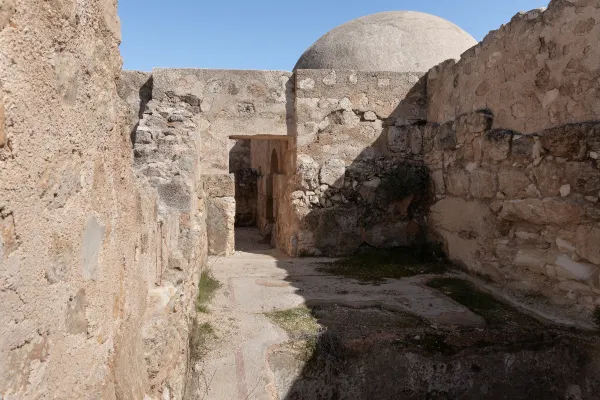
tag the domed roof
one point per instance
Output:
(401, 41)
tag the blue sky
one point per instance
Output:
(270, 34)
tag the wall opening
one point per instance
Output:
(273, 170)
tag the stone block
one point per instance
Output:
(333, 173)
(523, 146)
(437, 177)
(370, 116)
(308, 170)
(399, 138)
(457, 183)
(583, 177)
(446, 137)
(483, 185)
(532, 259)
(550, 177)
(93, 237)
(220, 225)
(219, 185)
(472, 123)
(563, 141)
(588, 242)
(416, 140)
(570, 269)
(496, 145)
(513, 183)
(541, 212)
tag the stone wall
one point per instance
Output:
(513, 149)
(78, 234)
(225, 103)
(351, 138)
(520, 209)
(342, 114)
(538, 71)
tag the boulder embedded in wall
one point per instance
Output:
(483, 185)
(549, 177)
(533, 259)
(308, 170)
(457, 182)
(496, 145)
(472, 123)
(542, 212)
(583, 177)
(445, 138)
(570, 269)
(449, 215)
(388, 235)
(588, 243)
(513, 183)
(93, 237)
(562, 141)
(220, 222)
(219, 185)
(398, 138)
(333, 173)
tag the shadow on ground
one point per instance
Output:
(313, 328)
(424, 334)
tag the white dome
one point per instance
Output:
(400, 41)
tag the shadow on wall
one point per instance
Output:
(378, 200)
(145, 95)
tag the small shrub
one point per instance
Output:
(406, 179)
(199, 337)
(207, 288)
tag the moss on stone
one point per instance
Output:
(377, 265)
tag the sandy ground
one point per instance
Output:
(257, 280)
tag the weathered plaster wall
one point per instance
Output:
(78, 237)
(228, 102)
(538, 71)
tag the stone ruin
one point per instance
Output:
(116, 185)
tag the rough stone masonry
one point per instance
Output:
(115, 185)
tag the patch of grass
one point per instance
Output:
(207, 288)
(200, 335)
(596, 315)
(298, 322)
(377, 265)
